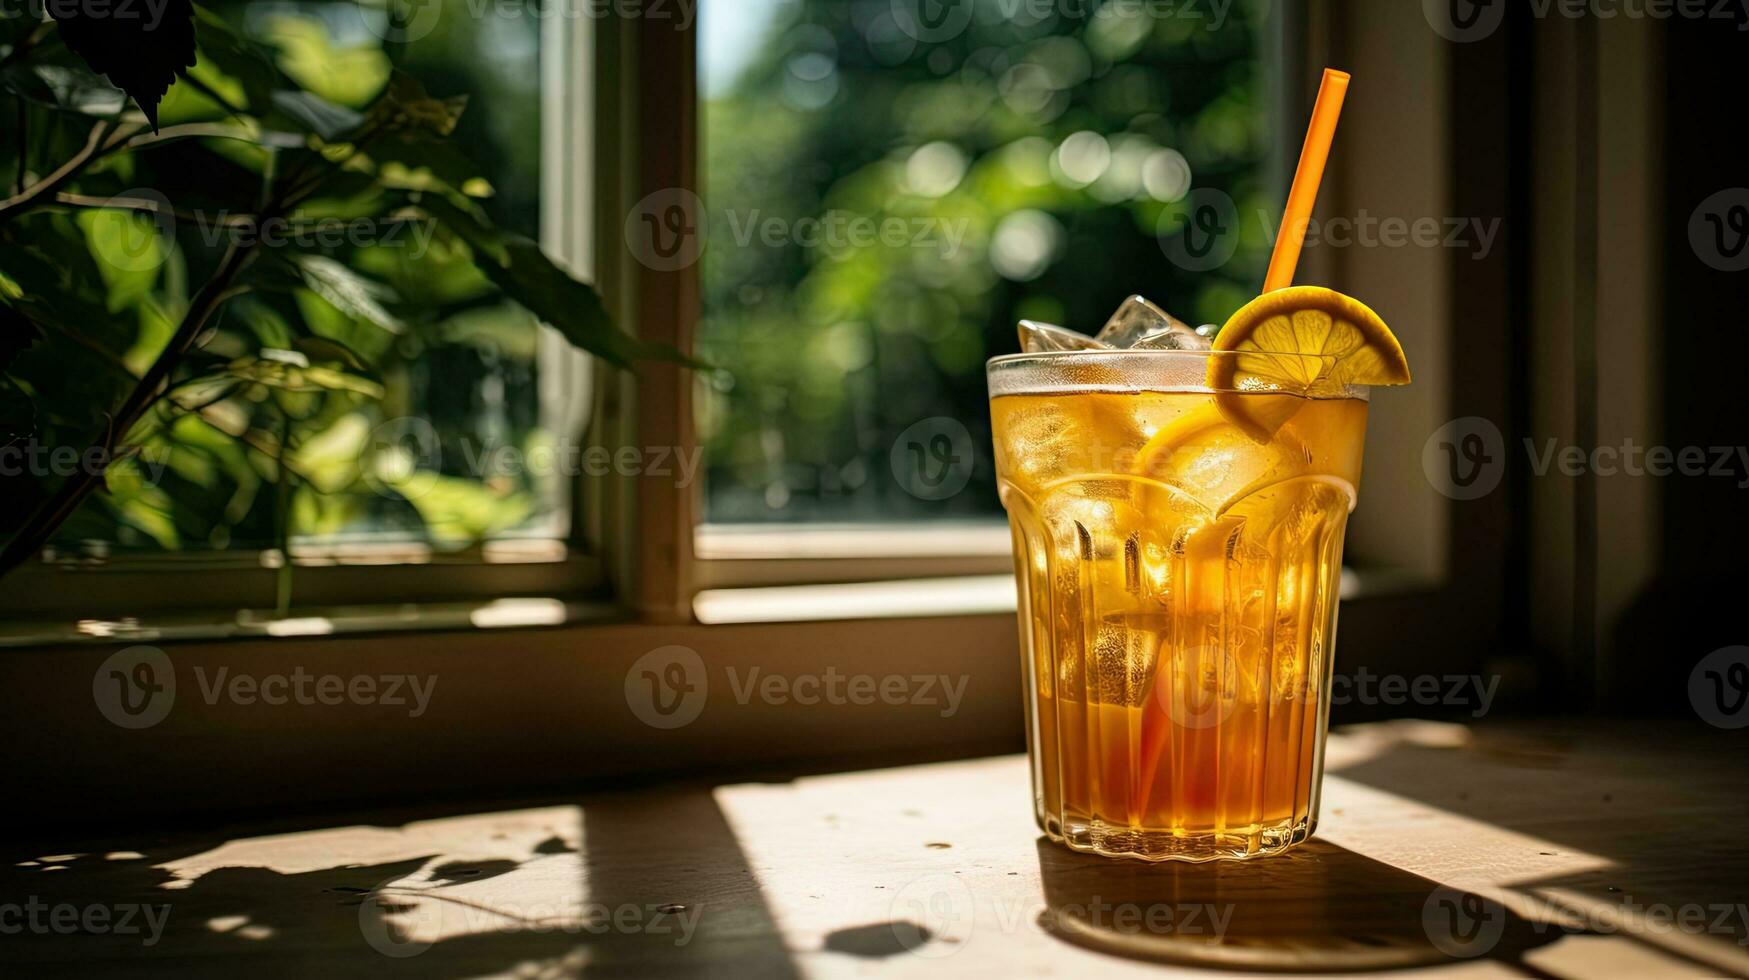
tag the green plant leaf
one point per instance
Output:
(17, 331)
(67, 88)
(17, 415)
(348, 74)
(130, 251)
(348, 291)
(410, 113)
(197, 393)
(238, 58)
(292, 371)
(142, 54)
(517, 265)
(315, 114)
(327, 350)
(458, 512)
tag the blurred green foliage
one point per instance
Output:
(1055, 143)
(419, 308)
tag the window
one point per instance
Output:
(886, 199)
(369, 402)
(881, 201)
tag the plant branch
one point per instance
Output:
(53, 512)
(25, 46)
(18, 203)
(87, 201)
(23, 142)
(170, 134)
(108, 136)
(296, 193)
(105, 354)
(223, 285)
(208, 91)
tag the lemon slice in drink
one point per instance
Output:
(1304, 341)
(1282, 348)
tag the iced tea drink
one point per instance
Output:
(1179, 552)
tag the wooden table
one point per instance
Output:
(1540, 850)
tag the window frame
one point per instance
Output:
(202, 591)
(638, 547)
(545, 707)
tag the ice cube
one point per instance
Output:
(1048, 338)
(1042, 442)
(1173, 339)
(1141, 325)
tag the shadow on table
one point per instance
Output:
(1651, 810)
(1318, 908)
(670, 866)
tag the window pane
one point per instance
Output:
(429, 440)
(886, 199)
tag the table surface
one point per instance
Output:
(1520, 850)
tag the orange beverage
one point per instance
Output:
(1179, 553)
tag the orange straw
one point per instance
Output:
(1156, 727)
(1310, 174)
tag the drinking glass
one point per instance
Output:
(1178, 549)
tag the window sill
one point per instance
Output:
(743, 542)
(969, 595)
(247, 624)
(913, 598)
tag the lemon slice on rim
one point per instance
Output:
(1282, 348)
(1343, 342)
(1304, 341)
